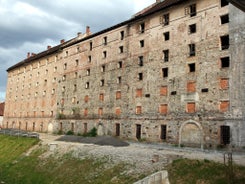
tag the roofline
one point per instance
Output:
(73, 41)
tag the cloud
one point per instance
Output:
(29, 26)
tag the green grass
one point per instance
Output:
(186, 171)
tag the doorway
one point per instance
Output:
(138, 131)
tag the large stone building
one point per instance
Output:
(174, 72)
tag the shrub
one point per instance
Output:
(91, 133)
(70, 132)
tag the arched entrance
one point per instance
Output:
(191, 134)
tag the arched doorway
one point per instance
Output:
(191, 134)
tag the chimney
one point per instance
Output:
(28, 55)
(87, 30)
(49, 47)
(79, 34)
(33, 54)
(62, 41)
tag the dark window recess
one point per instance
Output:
(121, 49)
(141, 61)
(102, 82)
(192, 67)
(142, 28)
(224, 3)
(166, 55)
(142, 43)
(225, 62)
(174, 93)
(224, 19)
(122, 35)
(117, 129)
(104, 54)
(140, 76)
(91, 46)
(119, 64)
(193, 11)
(103, 68)
(192, 28)
(225, 135)
(89, 58)
(147, 95)
(163, 132)
(192, 50)
(105, 40)
(204, 90)
(225, 43)
(138, 131)
(166, 36)
(165, 72)
(166, 19)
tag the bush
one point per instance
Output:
(91, 133)
(70, 132)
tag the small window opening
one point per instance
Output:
(103, 68)
(224, 3)
(142, 28)
(140, 76)
(166, 19)
(163, 132)
(192, 67)
(104, 54)
(90, 45)
(122, 35)
(88, 72)
(165, 72)
(77, 62)
(121, 49)
(102, 82)
(119, 64)
(166, 55)
(141, 61)
(225, 43)
(224, 19)
(89, 59)
(174, 93)
(193, 11)
(192, 28)
(147, 95)
(105, 40)
(225, 62)
(119, 80)
(192, 50)
(87, 85)
(142, 43)
(205, 90)
(166, 36)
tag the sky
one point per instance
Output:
(31, 25)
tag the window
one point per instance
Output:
(102, 82)
(164, 91)
(117, 129)
(192, 67)
(204, 90)
(192, 28)
(193, 11)
(86, 98)
(166, 36)
(166, 19)
(224, 3)
(103, 68)
(90, 46)
(78, 49)
(163, 135)
(63, 89)
(118, 111)
(101, 97)
(139, 93)
(55, 69)
(121, 49)
(100, 111)
(119, 80)
(191, 107)
(88, 72)
(122, 35)
(140, 76)
(163, 109)
(166, 55)
(141, 61)
(53, 91)
(225, 62)
(165, 72)
(224, 42)
(138, 110)
(142, 43)
(142, 27)
(77, 62)
(75, 75)
(87, 85)
(105, 40)
(119, 64)
(225, 135)
(104, 54)
(74, 87)
(224, 83)
(118, 95)
(73, 101)
(191, 87)
(224, 19)
(192, 50)
(224, 105)
(66, 53)
(64, 77)
(89, 59)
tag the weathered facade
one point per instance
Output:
(174, 73)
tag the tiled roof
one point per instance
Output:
(1, 109)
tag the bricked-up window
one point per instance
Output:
(119, 64)
(225, 62)
(139, 93)
(224, 83)
(86, 99)
(101, 97)
(166, 36)
(163, 109)
(193, 11)
(138, 110)
(118, 111)
(192, 28)
(192, 49)
(224, 106)
(140, 76)
(142, 27)
(165, 72)
(118, 95)
(165, 20)
(225, 135)
(87, 85)
(191, 107)
(105, 40)
(121, 49)
(142, 43)
(86, 112)
(224, 19)
(163, 135)
(191, 87)
(164, 91)
(102, 69)
(89, 59)
(122, 35)
(100, 111)
(90, 45)
(104, 54)
(192, 67)
(141, 61)
(225, 42)
(166, 55)
(224, 3)
(102, 82)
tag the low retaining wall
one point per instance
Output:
(156, 178)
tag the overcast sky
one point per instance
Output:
(31, 25)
